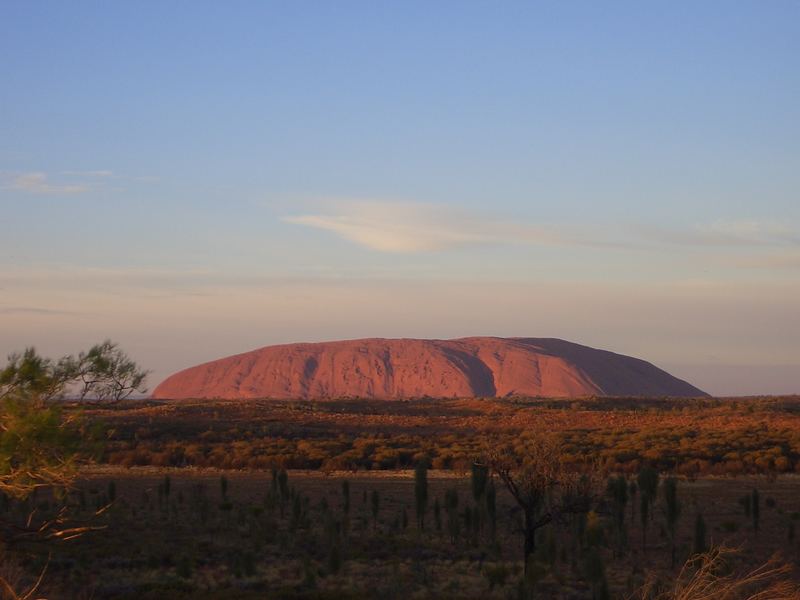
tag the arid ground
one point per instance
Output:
(195, 542)
(193, 502)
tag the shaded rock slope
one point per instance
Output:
(396, 369)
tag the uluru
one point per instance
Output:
(396, 369)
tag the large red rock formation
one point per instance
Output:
(409, 368)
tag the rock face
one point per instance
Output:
(408, 368)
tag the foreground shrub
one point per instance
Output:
(710, 575)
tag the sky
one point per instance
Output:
(196, 179)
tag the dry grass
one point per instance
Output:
(710, 577)
(14, 584)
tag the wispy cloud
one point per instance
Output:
(742, 233)
(32, 310)
(418, 227)
(771, 261)
(396, 227)
(98, 173)
(39, 183)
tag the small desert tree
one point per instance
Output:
(491, 508)
(39, 444)
(617, 492)
(699, 545)
(105, 372)
(29, 375)
(648, 482)
(543, 485)
(346, 497)
(673, 510)
(756, 509)
(283, 490)
(745, 502)
(451, 508)
(421, 492)
(40, 441)
(345, 507)
(479, 478)
(375, 500)
(648, 486)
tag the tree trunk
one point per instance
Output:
(672, 549)
(530, 537)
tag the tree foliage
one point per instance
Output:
(104, 372)
(41, 441)
(39, 444)
(543, 484)
(29, 375)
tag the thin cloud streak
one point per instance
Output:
(741, 233)
(97, 173)
(418, 227)
(397, 227)
(770, 261)
(32, 310)
(39, 183)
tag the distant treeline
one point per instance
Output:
(690, 437)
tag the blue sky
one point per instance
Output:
(193, 179)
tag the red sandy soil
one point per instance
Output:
(411, 368)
